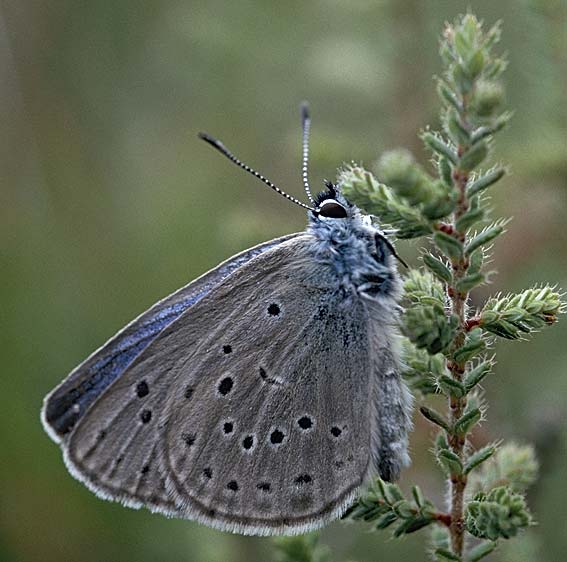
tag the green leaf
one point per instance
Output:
(390, 492)
(440, 537)
(478, 457)
(385, 520)
(412, 525)
(457, 131)
(469, 282)
(451, 387)
(476, 261)
(434, 417)
(476, 375)
(473, 156)
(484, 238)
(462, 43)
(489, 130)
(495, 68)
(448, 96)
(438, 145)
(450, 461)
(475, 64)
(438, 268)
(418, 496)
(445, 554)
(472, 216)
(484, 181)
(449, 245)
(403, 509)
(445, 171)
(480, 551)
(493, 35)
(462, 80)
(473, 345)
(465, 423)
(441, 441)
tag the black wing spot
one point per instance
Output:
(336, 431)
(276, 437)
(188, 392)
(142, 389)
(188, 438)
(263, 374)
(273, 309)
(145, 469)
(146, 416)
(232, 486)
(212, 512)
(227, 349)
(225, 385)
(101, 435)
(264, 486)
(305, 422)
(208, 472)
(248, 442)
(228, 427)
(303, 479)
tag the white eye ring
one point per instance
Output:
(331, 209)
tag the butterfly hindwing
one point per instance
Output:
(254, 410)
(65, 405)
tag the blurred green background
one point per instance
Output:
(109, 202)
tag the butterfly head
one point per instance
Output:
(331, 204)
(329, 209)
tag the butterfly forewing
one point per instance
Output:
(65, 405)
(249, 412)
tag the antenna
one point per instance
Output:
(223, 150)
(390, 247)
(306, 128)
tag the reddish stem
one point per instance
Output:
(443, 518)
(471, 323)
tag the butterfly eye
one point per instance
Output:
(332, 210)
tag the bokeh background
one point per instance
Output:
(109, 202)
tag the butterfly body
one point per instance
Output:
(257, 399)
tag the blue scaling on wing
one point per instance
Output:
(70, 401)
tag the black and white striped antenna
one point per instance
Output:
(223, 150)
(306, 129)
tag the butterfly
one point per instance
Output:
(258, 398)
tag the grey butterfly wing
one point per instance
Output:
(64, 406)
(256, 415)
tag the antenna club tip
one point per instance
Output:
(304, 110)
(211, 140)
(205, 136)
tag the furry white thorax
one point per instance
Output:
(352, 249)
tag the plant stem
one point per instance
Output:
(457, 442)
